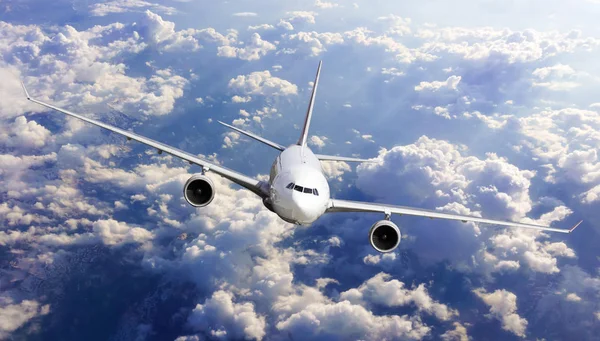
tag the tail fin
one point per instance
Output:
(304, 137)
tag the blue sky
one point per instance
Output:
(486, 108)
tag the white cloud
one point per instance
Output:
(14, 315)
(23, 134)
(262, 83)
(397, 25)
(261, 27)
(162, 33)
(318, 141)
(240, 99)
(503, 306)
(450, 84)
(345, 320)
(324, 4)
(113, 232)
(381, 289)
(244, 14)
(220, 315)
(335, 169)
(122, 6)
(459, 333)
(314, 42)
(573, 297)
(301, 17)
(256, 49)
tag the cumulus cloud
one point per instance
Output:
(503, 306)
(335, 169)
(451, 83)
(122, 6)
(24, 134)
(459, 333)
(114, 232)
(318, 141)
(262, 83)
(344, 319)
(83, 67)
(253, 51)
(236, 320)
(383, 290)
(436, 172)
(162, 33)
(13, 315)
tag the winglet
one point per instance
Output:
(25, 89)
(574, 227)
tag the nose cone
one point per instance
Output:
(306, 207)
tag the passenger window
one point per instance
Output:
(307, 190)
(290, 185)
(315, 192)
(298, 188)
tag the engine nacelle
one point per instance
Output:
(384, 236)
(199, 190)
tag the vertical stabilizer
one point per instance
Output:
(304, 137)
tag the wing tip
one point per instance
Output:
(574, 227)
(25, 90)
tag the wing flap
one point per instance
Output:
(252, 184)
(336, 205)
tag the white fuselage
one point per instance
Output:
(298, 203)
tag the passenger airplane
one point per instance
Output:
(297, 190)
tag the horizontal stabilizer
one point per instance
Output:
(256, 137)
(342, 158)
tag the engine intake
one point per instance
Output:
(384, 236)
(199, 190)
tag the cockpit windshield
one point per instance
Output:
(302, 189)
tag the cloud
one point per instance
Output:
(397, 25)
(244, 14)
(318, 141)
(82, 68)
(335, 169)
(122, 6)
(503, 306)
(262, 83)
(324, 4)
(24, 135)
(261, 27)
(14, 315)
(436, 172)
(162, 33)
(451, 83)
(344, 319)
(113, 232)
(459, 333)
(232, 319)
(301, 17)
(253, 51)
(383, 290)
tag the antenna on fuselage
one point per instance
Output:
(304, 136)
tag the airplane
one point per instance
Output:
(297, 189)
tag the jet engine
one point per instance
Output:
(384, 236)
(199, 190)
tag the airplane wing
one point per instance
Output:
(336, 205)
(254, 185)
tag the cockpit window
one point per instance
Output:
(308, 190)
(298, 188)
(290, 185)
(315, 192)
